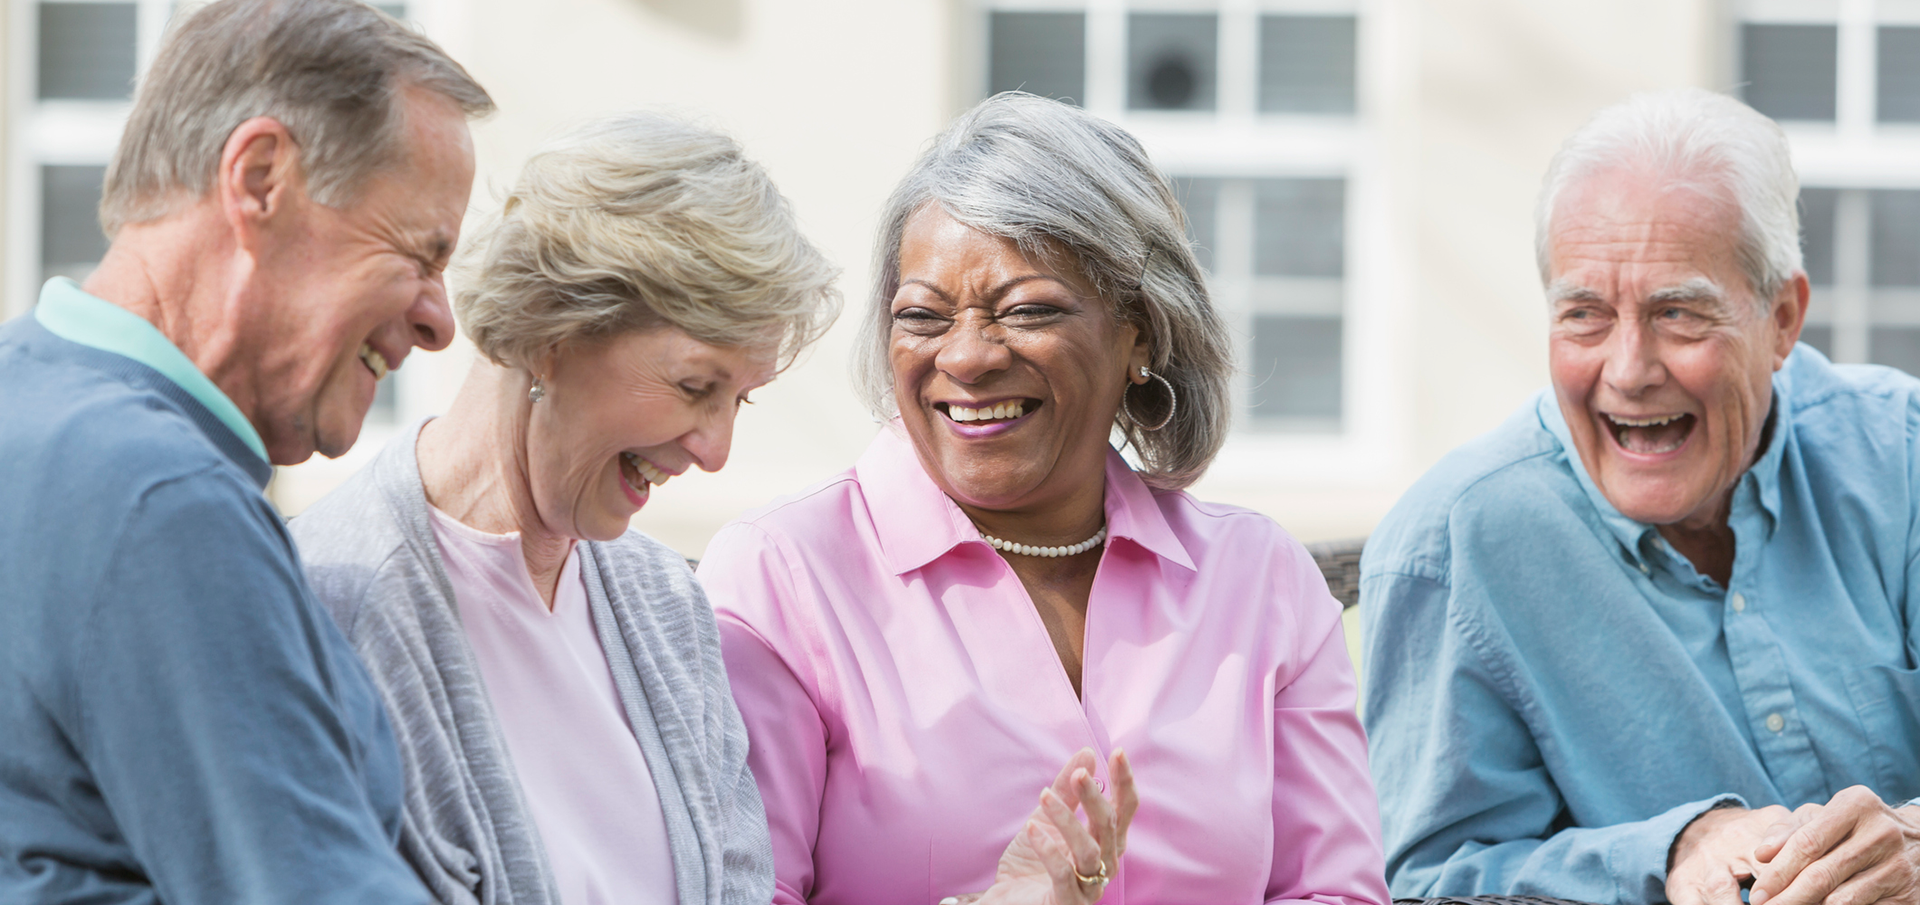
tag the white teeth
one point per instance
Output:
(1644, 422)
(648, 471)
(376, 362)
(995, 412)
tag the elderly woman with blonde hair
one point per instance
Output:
(554, 678)
(994, 603)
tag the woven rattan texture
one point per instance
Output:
(1340, 561)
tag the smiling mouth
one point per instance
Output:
(375, 362)
(1650, 436)
(997, 413)
(640, 474)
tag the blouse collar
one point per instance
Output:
(918, 523)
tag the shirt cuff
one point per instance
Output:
(1663, 831)
(1909, 803)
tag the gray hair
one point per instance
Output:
(635, 221)
(330, 71)
(1704, 142)
(1056, 179)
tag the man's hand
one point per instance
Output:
(1715, 852)
(1854, 850)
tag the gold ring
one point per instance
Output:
(1097, 879)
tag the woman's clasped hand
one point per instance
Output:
(1056, 859)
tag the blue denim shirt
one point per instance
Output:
(1553, 693)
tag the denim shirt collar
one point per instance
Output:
(918, 523)
(1756, 495)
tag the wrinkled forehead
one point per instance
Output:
(1668, 229)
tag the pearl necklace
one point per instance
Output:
(1031, 550)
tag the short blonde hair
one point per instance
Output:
(637, 221)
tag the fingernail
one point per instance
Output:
(1757, 897)
(950, 900)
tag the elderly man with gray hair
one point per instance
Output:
(182, 722)
(1612, 642)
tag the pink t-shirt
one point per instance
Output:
(581, 770)
(906, 705)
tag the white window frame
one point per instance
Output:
(1237, 141)
(1854, 154)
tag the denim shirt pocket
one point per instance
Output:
(1886, 700)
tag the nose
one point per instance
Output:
(1633, 363)
(431, 317)
(712, 439)
(969, 353)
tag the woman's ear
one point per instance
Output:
(1140, 356)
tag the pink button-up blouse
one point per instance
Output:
(906, 705)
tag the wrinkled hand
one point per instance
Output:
(1715, 852)
(1853, 850)
(1041, 862)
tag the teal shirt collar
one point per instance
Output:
(70, 313)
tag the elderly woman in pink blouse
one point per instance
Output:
(994, 601)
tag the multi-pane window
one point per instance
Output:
(1271, 227)
(1844, 80)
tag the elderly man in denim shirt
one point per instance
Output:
(1614, 641)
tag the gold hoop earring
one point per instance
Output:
(1173, 401)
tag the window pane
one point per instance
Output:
(1896, 346)
(1899, 81)
(1201, 199)
(1896, 237)
(70, 238)
(86, 51)
(1816, 234)
(1819, 337)
(1296, 367)
(1299, 227)
(1040, 53)
(1306, 64)
(1790, 70)
(1170, 60)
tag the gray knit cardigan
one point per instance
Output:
(370, 553)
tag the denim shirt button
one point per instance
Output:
(1776, 722)
(1739, 603)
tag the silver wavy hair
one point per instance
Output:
(1703, 141)
(634, 221)
(1056, 179)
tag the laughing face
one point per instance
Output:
(1007, 371)
(354, 290)
(623, 415)
(1662, 358)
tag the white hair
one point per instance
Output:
(1058, 180)
(1700, 141)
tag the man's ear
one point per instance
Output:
(259, 181)
(1789, 316)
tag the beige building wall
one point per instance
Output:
(1463, 102)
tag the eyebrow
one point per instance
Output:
(1698, 289)
(1569, 291)
(997, 291)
